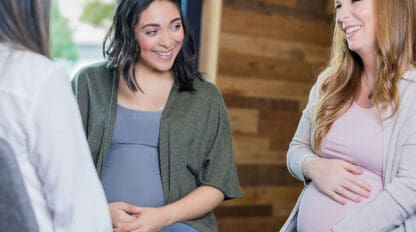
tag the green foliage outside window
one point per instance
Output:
(62, 44)
(97, 13)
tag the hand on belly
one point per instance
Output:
(337, 179)
(318, 211)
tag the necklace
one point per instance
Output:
(370, 90)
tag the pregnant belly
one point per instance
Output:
(319, 212)
(133, 176)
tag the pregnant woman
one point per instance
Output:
(355, 146)
(159, 134)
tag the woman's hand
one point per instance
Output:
(122, 213)
(147, 220)
(337, 179)
(194, 205)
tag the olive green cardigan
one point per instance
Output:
(195, 144)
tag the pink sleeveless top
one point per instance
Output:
(355, 137)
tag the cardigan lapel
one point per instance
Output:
(390, 132)
(388, 126)
(110, 121)
(164, 154)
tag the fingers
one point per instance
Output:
(354, 189)
(360, 191)
(131, 209)
(356, 170)
(338, 198)
(341, 181)
(355, 183)
(121, 214)
(360, 183)
(348, 194)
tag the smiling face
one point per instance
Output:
(160, 35)
(357, 19)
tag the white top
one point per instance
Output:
(41, 122)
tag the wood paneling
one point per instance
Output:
(257, 210)
(271, 48)
(253, 87)
(270, 53)
(249, 144)
(244, 120)
(300, 9)
(282, 28)
(262, 175)
(262, 157)
(249, 224)
(266, 195)
(260, 103)
(237, 63)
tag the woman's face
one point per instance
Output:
(357, 19)
(160, 34)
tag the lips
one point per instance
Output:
(164, 55)
(350, 30)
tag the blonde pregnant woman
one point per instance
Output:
(355, 146)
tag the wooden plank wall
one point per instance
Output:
(270, 52)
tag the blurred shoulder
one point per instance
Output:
(25, 72)
(27, 62)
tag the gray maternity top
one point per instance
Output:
(131, 171)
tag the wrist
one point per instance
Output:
(168, 214)
(307, 167)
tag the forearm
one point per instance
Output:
(390, 208)
(194, 205)
(298, 157)
(300, 148)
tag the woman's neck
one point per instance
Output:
(154, 90)
(370, 68)
(368, 78)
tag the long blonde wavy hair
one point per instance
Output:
(395, 53)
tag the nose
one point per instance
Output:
(343, 14)
(165, 39)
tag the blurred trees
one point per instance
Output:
(98, 13)
(62, 44)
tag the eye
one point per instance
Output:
(150, 33)
(176, 27)
(355, 0)
(337, 6)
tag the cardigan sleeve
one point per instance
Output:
(218, 164)
(396, 204)
(300, 147)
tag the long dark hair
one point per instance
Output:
(122, 51)
(25, 24)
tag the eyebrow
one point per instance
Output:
(157, 25)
